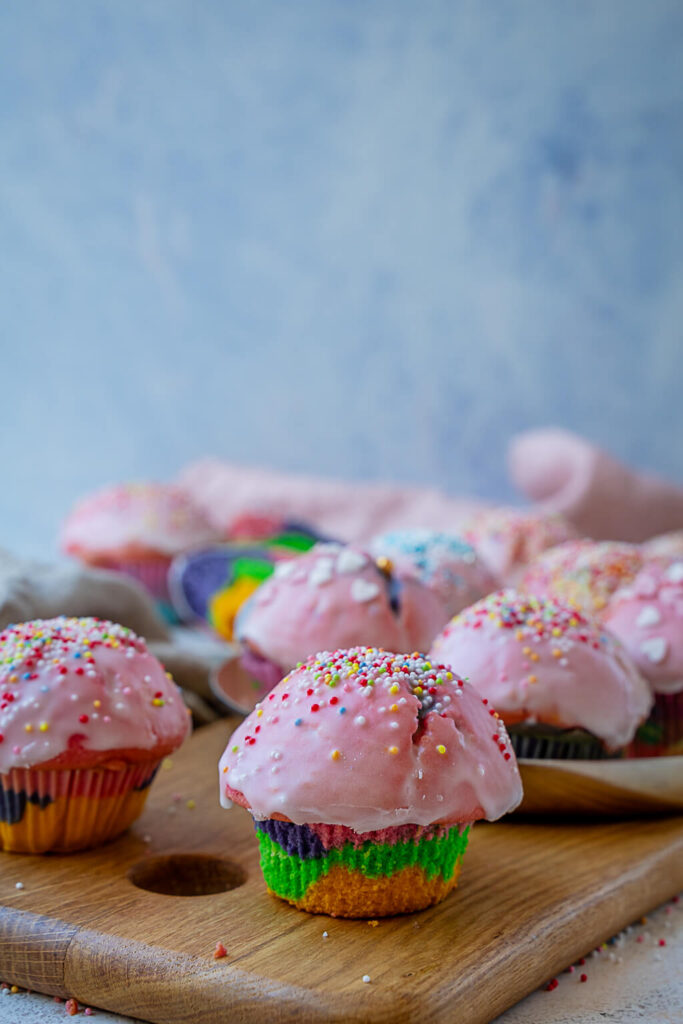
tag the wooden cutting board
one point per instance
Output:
(532, 898)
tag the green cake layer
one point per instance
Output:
(290, 876)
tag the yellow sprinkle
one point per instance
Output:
(158, 702)
(573, 622)
(394, 707)
(335, 755)
(226, 768)
(534, 656)
(496, 715)
(533, 679)
(395, 688)
(373, 924)
(190, 805)
(14, 989)
(28, 727)
(526, 650)
(393, 750)
(169, 676)
(97, 703)
(167, 763)
(428, 664)
(557, 632)
(449, 676)
(44, 726)
(417, 691)
(441, 749)
(259, 712)
(519, 635)
(557, 653)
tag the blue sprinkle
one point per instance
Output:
(26, 675)
(342, 711)
(298, 721)
(45, 689)
(77, 654)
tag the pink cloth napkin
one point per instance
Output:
(558, 471)
(347, 511)
(604, 499)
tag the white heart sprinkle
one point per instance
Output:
(350, 561)
(649, 616)
(363, 590)
(655, 649)
(284, 569)
(321, 572)
(675, 573)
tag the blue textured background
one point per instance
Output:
(364, 239)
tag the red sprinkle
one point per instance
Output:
(315, 707)
(582, 962)
(584, 977)
(334, 700)
(662, 942)
(220, 951)
(71, 1007)
(83, 718)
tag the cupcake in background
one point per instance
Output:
(647, 617)
(333, 596)
(507, 539)
(583, 574)
(442, 562)
(364, 772)
(86, 715)
(136, 529)
(564, 687)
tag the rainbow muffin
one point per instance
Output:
(364, 772)
(442, 562)
(507, 539)
(86, 715)
(137, 528)
(333, 596)
(563, 685)
(647, 616)
(211, 584)
(583, 573)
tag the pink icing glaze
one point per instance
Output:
(134, 521)
(371, 740)
(74, 688)
(331, 597)
(541, 661)
(583, 573)
(445, 564)
(507, 539)
(647, 617)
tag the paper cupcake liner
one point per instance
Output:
(361, 878)
(662, 733)
(152, 573)
(66, 810)
(570, 745)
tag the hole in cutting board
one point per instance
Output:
(187, 874)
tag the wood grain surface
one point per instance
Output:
(532, 898)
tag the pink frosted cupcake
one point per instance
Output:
(86, 715)
(647, 616)
(507, 539)
(332, 596)
(564, 686)
(442, 562)
(364, 772)
(136, 529)
(583, 573)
